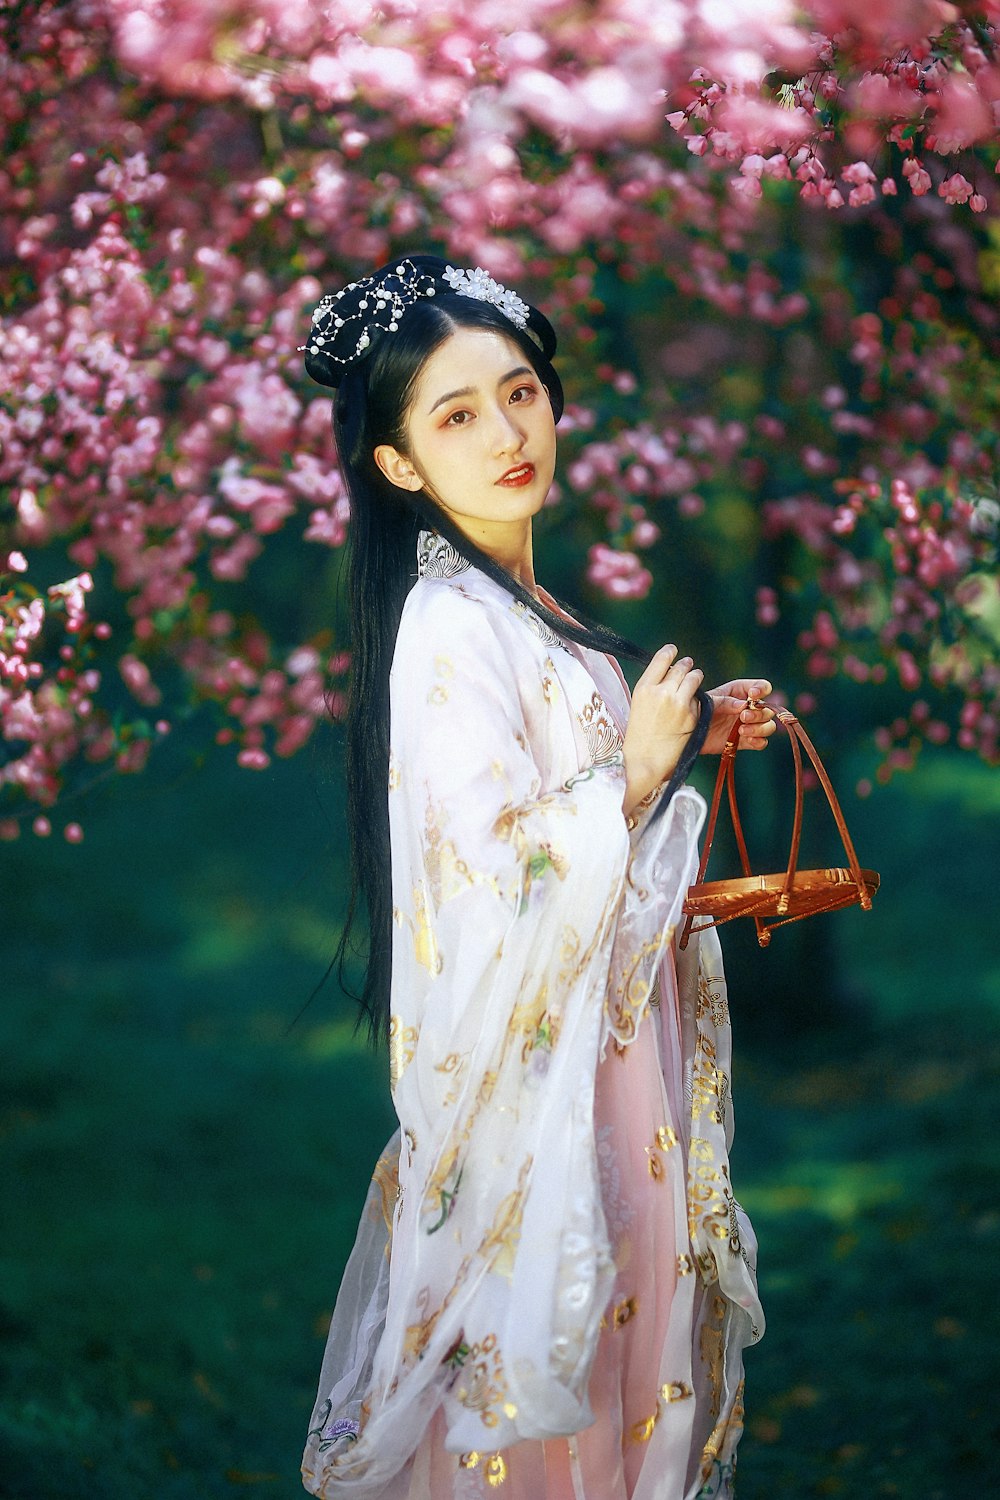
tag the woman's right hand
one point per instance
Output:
(663, 715)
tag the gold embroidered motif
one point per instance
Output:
(402, 1045)
(677, 1390)
(725, 1435)
(631, 998)
(418, 1335)
(643, 1431)
(394, 775)
(624, 1312)
(453, 1066)
(483, 1386)
(663, 1141)
(532, 1022)
(499, 1244)
(442, 1189)
(685, 1265)
(425, 948)
(712, 1349)
(711, 1000)
(386, 1179)
(496, 1470)
(709, 1085)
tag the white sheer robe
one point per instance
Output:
(552, 1282)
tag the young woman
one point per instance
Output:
(552, 1283)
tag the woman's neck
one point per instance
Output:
(508, 544)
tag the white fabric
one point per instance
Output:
(528, 928)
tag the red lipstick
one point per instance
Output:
(521, 474)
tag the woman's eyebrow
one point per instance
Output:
(470, 390)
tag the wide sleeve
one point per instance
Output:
(521, 905)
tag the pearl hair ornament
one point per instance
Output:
(345, 323)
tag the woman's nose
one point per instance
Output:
(506, 434)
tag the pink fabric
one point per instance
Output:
(633, 1099)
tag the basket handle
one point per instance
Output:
(726, 776)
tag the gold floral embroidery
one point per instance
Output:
(418, 1335)
(624, 1312)
(425, 948)
(499, 1244)
(496, 1470)
(453, 1066)
(495, 1467)
(712, 1000)
(386, 1179)
(482, 1386)
(685, 1265)
(402, 1045)
(676, 1390)
(712, 1349)
(550, 684)
(663, 1141)
(643, 1431)
(632, 996)
(442, 1190)
(705, 1081)
(725, 1434)
(533, 1022)
(394, 774)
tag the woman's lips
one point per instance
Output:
(515, 478)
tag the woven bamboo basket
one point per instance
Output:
(774, 900)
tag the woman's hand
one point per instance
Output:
(663, 715)
(756, 724)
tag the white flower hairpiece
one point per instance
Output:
(480, 285)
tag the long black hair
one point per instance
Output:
(371, 407)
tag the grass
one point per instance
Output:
(183, 1167)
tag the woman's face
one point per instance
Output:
(480, 434)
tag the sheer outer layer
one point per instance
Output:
(530, 928)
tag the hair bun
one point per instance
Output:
(347, 325)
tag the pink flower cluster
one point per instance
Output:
(185, 178)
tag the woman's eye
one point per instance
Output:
(523, 393)
(458, 419)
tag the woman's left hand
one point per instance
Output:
(756, 724)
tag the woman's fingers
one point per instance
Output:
(756, 727)
(659, 665)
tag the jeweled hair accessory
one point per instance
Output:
(347, 324)
(480, 285)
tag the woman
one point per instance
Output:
(552, 1283)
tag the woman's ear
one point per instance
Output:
(397, 468)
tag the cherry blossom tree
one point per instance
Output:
(767, 232)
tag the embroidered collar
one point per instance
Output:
(437, 558)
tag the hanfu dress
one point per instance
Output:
(552, 1283)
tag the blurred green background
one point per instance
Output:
(184, 1161)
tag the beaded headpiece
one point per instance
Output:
(347, 324)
